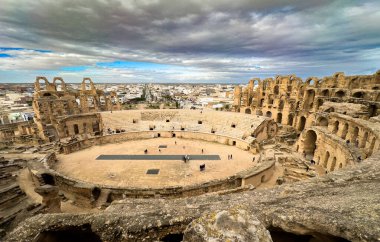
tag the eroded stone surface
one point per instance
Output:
(235, 224)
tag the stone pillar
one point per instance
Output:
(50, 198)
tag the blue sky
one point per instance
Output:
(187, 41)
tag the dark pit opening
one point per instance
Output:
(279, 235)
(173, 238)
(96, 192)
(48, 179)
(69, 234)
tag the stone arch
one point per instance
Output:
(309, 99)
(344, 131)
(76, 129)
(279, 118)
(290, 119)
(309, 144)
(358, 95)
(261, 102)
(326, 160)
(37, 83)
(62, 84)
(364, 140)
(333, 164)
(325, 93)
(84, 86)
(319, 103)
(354, 136)
(302, 123)
(281, 104)
(372, 145)
(276, 90)
(247, 111)
(322, 121)
(340, 94)
(336, 127)
(269, 114)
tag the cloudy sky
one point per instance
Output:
(186, 41)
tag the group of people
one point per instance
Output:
(230, 157)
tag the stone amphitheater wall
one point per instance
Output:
(86, 194)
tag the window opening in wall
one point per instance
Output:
(200, 122)
(233, 125)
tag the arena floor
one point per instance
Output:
(83, 165)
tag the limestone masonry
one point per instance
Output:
(299, 161)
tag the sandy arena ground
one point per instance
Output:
(83, 165)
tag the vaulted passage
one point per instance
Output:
(310, 143)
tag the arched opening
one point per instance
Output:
(333, 164)
(319, 103)
(279, 118)
(372, 145)
(290, 119)
(339, 94)
(325, 93)
(364, 140)
(310, 143)
(248, 111)
(326, 160)
(358, 95)
(309, 99)
(355, 136)
(233, 143)
(281, 105)
(345, 130)
(302, 123)
(336, 127)
(322, 121)
(173, 135)
(76, 129)
(340, 165)
(372, 110)
(269, 114)
(276, 90)
(158, 135)
(261, 102)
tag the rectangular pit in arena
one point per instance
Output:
(157, 157)
(152, 171)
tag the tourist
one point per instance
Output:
(175, 142)
(231, 156)
(253, 159)
(159, 150)
(202, 151)
(307, 168)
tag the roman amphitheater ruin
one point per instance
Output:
(294, 160)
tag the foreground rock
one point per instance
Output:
(227, 225)
(343, 204)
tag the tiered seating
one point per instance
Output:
(13, 201)
(223, 123)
